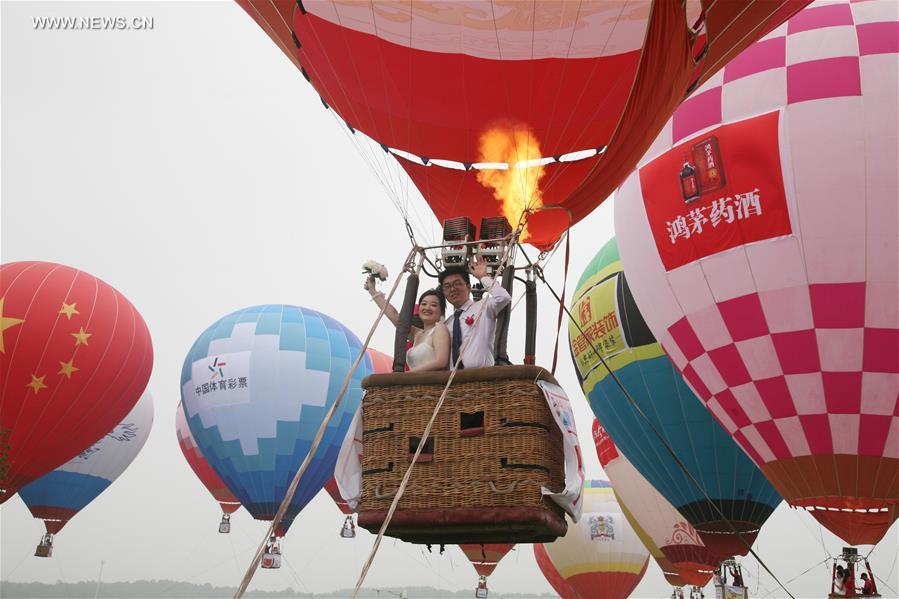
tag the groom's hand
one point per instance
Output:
(477, 266)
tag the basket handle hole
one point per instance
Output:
(471, 424)
(427, 452)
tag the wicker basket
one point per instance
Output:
(495, 444)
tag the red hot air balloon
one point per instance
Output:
(200, 465)
(778, 301)
(485, 558)
(552, 575)
(75, 356)
(473, 97)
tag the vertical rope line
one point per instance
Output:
(424, 436)
(257, 558)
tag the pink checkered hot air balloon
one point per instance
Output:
(759, 237)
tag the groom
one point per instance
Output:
(456, 286)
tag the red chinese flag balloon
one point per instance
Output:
(75, 356)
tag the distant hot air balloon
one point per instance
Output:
(607, 314)
(75, 357)
(381, 363)
(760, 237)
(57, 496)
(485, 558)
(600, 557)
(552, 575)
(255, 386)
(685, 559)
(200, 465)
(429, 81)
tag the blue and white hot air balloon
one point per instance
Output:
(255, 388)
(58, 495)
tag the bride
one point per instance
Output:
(431, 343)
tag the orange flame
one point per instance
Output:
(518, 188)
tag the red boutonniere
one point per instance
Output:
(469, 321)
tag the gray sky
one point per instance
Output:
(194, 169)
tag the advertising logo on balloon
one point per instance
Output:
(601, 527)
(602, 331)
(695, 211)
(223, 379)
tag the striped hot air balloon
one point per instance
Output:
(75, 356)
(594, 81)
(607, 314)
(552, 575)
(600, 556)
(760, 237)
(58, 495)
(200, 465)
(684, 557)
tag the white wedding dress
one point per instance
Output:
(423, 351)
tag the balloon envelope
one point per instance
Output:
(428, 80)
(778, 300)
(552, 575)
(600, 556)
(256, 386)
(75, 357)
(608, 314)
(200, 465)
(676, 545)
(58, 495)
(485, 558)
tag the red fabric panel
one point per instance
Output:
(552, 575)
(437, 104)
(54, 517)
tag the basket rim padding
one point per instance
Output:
(467, 375)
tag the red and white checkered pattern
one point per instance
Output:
(793, 343)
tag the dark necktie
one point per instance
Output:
(457, 337)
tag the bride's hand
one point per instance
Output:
(370, 286)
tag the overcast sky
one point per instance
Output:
(192, 167)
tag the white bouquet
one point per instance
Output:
(375, 269)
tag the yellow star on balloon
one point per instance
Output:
(81, 336)
(37, 383)
(5, 323)
(68, 310)
(67, 368)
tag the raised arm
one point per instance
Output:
(379, 299)
(499, 298)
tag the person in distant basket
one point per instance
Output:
(464, 322)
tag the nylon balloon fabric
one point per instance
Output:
(600, 556)
(776, 294)
(57, 496)
(593, 80)
(75, 356)
(255, 388)
(670, 539)
(607, 313)
(200, 465)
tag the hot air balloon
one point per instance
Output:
(74, 358)
(57, 496)
(200, 465)
(552, 575)
(255, 387)
(609, 317)
(778, 301)
(380, 363)
(685, 559)
(485, 558)
(600, 557)
(430, 82)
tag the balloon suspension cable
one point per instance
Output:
(633, 403)
(427, 431)
(291, 490)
